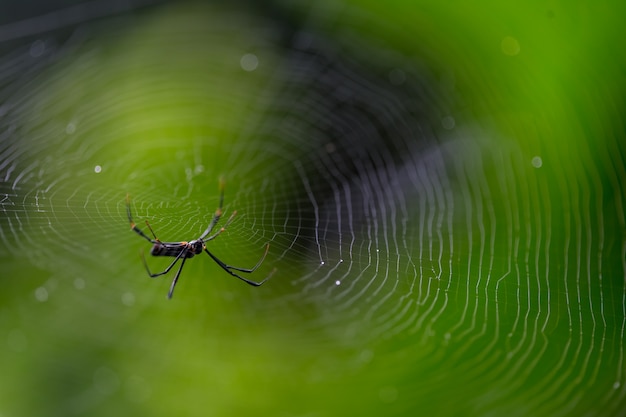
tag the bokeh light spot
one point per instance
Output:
(249, 62)
(510, 46)
(105, 380)
(16, 340)
(79, 283)
(388, 394)
(137, 389)
(41, 294)
(37, 48)
(128, 298)
(448, 122)
(397, 76)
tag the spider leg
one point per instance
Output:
(182, 254)
(134, 227)
(175, 280)
(222, 182)
(230, 269)
(216, 216)
(216, 234)
(152, 231)
(254, 268)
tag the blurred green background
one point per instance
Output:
(481, 269)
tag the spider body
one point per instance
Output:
(195, 247)
(181, 251)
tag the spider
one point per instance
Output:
(182, 251)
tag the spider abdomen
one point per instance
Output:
(172, 249)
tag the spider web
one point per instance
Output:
(426, 244)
